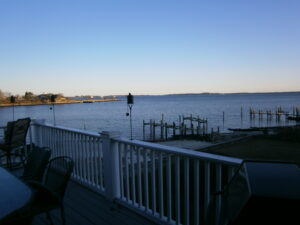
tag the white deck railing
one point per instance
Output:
(84, 147)
(167, 184)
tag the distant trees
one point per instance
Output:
(29, 97)
(2, 96)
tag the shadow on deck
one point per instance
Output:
(86, 207)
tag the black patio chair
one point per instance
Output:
(14, 140)
(49, 195)
(36, 164)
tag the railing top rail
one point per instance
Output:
(153, 146)
(181, 151)
(74, 130)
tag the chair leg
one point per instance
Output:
(49, 218)
(8, 161)
(62, 211)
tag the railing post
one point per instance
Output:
(111, 165)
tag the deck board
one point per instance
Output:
(86, 207)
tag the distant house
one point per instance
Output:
(44, 97)
(47, 97)
(109, 97)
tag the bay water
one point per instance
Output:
(111, 116)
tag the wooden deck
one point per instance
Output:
(86, 207)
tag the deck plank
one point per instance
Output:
(86, 207)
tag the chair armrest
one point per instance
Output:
(41, 189)
(37, 185)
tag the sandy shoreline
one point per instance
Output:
(56, 103)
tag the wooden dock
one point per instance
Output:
(195, 125)
(277, 114)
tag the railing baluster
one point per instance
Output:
(187, 190)
(61, 138)
(196, 192)
(132, 174)
(127, 174)
(72, 151)
(80, 157)
(66, 143)
(76, 146)
(95, 163)
(146, 180)
(59, 142)
(51, 143)
(100, 161)
(92, 160)
(153, 183)
(48, 137)
(139, 177)
(121, 159)
(83, 158)
(55, 148)
(218, 189)
(207, 186)
(169, 188)
(177, 188)
(43, 142)
(160, 183)
(89, 158)
(100, 150)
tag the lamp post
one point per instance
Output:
(130, 104)
(13, 101)
(52, 99)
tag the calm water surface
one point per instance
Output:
(111, 116)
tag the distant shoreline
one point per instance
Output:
(34, 103)
(216, 93)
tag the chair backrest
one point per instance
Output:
(58, 174)
(36, 164)
(8, 132)
(19, 132)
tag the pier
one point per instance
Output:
(277, 114)
(186, 125)
(196, 127)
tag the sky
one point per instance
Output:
(110, 47)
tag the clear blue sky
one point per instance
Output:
(149, 46)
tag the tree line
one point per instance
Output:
(7, 97)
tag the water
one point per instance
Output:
(111, 116)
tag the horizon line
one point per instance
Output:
(200, 93)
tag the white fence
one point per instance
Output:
(168, 185)
(84, 147)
